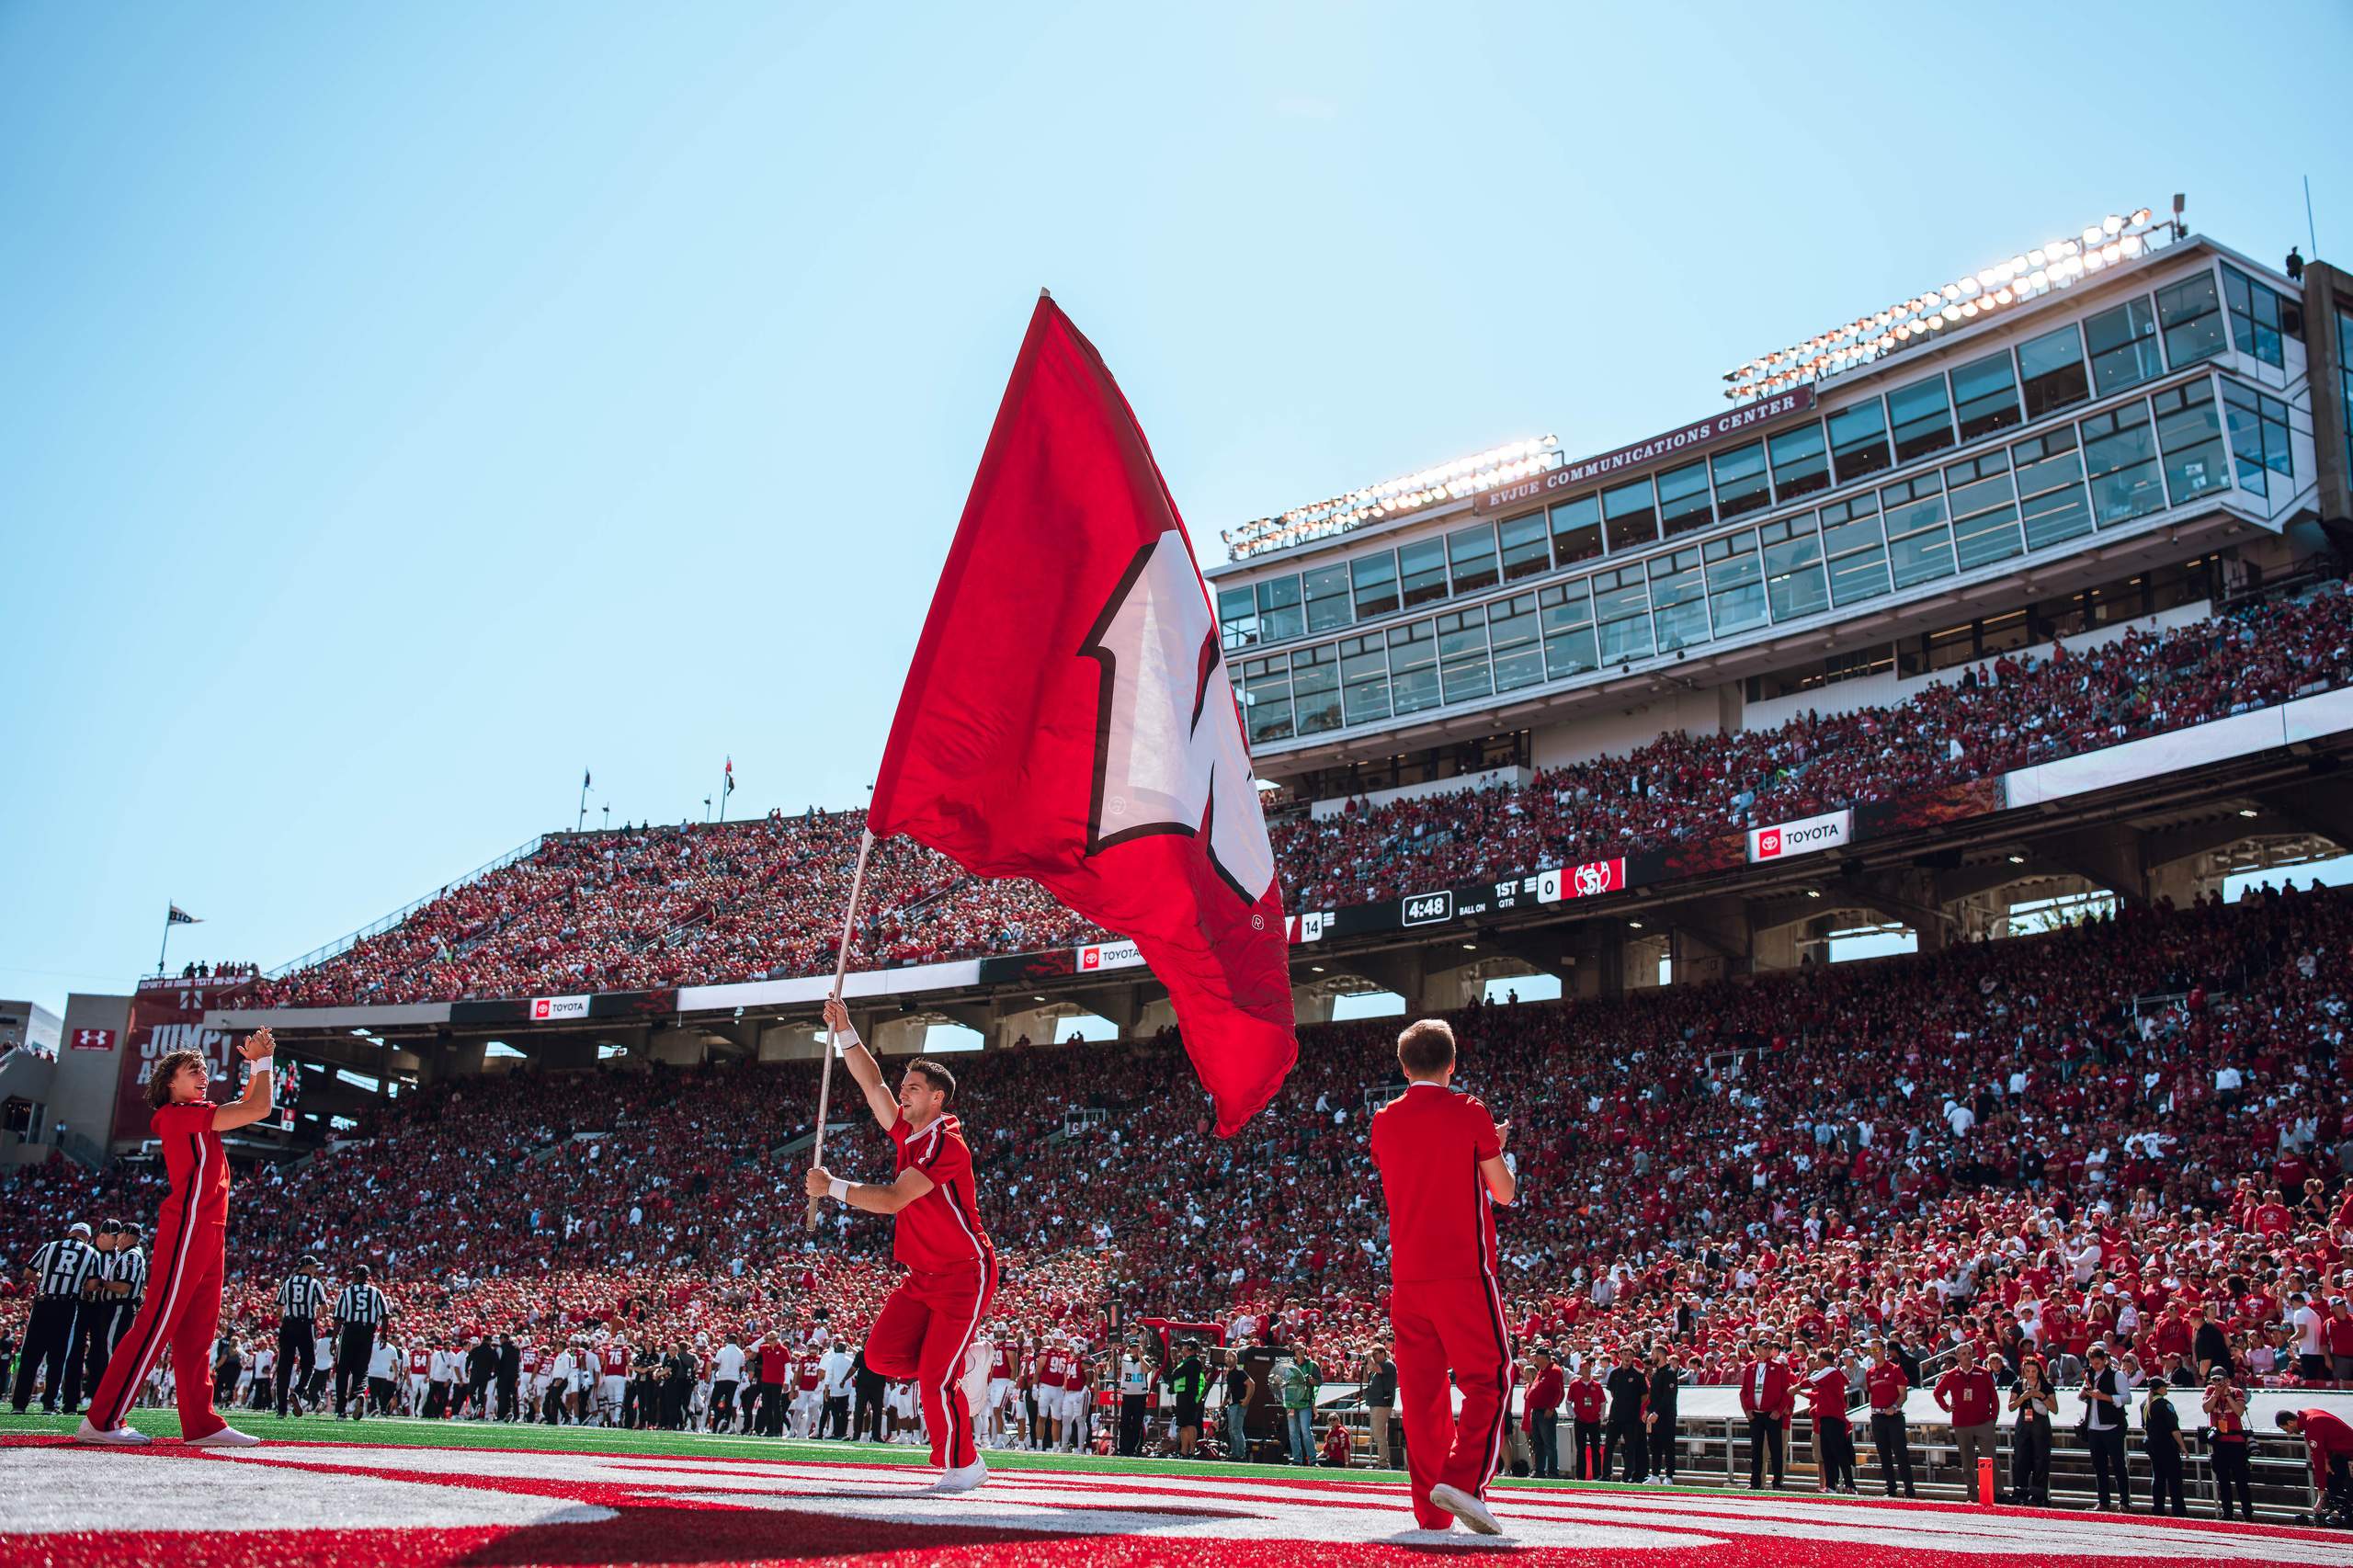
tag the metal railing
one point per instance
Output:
(376, 927)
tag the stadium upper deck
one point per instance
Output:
(1971, 623)
(2094, 444)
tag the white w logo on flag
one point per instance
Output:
(1170, 756)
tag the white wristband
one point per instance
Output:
(838, 1190)
(845, 1040)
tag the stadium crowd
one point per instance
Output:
(647, 907)
(2126, 1135)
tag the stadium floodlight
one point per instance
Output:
(1394, 497)
(2249, 811)
(2027, 275)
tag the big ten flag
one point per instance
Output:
(1068, 717)
(168, 1016)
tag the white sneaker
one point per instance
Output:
(227, 1438)
(121, 1436)
(1467, 1508)
(963, 1478)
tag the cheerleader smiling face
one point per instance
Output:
(189, 1082)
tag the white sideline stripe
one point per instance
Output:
(1214, 1507)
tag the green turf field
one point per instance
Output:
(677, 1445)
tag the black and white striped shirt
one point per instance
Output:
(301, 1299)
(362, 1303)
(65, 1266)
(128, 1265)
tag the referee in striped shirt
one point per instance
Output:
(360, 1311)
(109, 1301)
(59, 1270)
(300, 1302)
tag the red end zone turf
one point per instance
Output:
(365, 1506)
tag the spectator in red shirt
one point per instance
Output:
(1542, 1416)
(1885, 1385)
(2338, 1332)
(1966, 1394)
(1587, 1399)
(1766, 1397)
(2328, 1443)
(1336, 1447)
(1833, 1439)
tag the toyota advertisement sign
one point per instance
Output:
(1807, 836)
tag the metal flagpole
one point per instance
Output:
(841, 968)
(166, 948)
(582, 821)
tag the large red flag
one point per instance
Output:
(1068, 717)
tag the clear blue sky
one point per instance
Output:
(408, 406)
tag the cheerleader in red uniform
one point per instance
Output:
(183, 1305)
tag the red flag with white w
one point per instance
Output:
(1068, 717)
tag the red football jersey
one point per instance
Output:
(196, 1163)
(1428, 1143)
(941, 1230)
(616, 1359)
(1002, 1364)
(420, 1362)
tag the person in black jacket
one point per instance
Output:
(481, 1365)
(869, 1386)
(1666, 1382)
(679, 1389)
(510, 1375)
(1630, 1391)
(2106, 1399)
(2210, 1347)
(2160, 1439)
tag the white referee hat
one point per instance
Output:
(78, 1229)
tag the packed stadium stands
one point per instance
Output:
(2060, 1138)
(647, 907)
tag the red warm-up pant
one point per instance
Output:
(183, 1310)
(1441, 1326)
(923, 1333)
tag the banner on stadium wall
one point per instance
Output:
(614, 1005)
(167, 1016)
(1538, 488)
(1807, 836)
(1092, 957)
(1589, 881)
(91, 1039)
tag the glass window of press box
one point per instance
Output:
(1997, 497)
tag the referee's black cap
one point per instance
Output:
(360, 1271)
(307, 1260)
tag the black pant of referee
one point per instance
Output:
(49, 1333)
(93, 1342)
(294, 1343)
(359, 1343)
